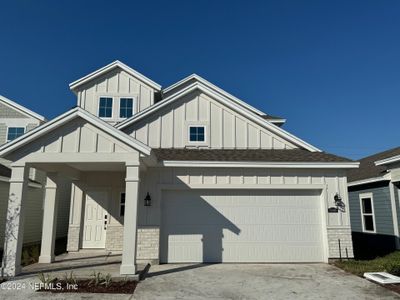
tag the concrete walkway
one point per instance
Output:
(82, 263)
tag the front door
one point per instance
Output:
(94, 229)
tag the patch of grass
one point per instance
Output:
(389, 263)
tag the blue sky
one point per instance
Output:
(332, 68)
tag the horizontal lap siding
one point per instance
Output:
(3, 133)
(382, 209)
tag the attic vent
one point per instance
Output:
(382, 277)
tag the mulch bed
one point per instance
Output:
(87, 286)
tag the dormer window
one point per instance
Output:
(125, 107)
(105, 107)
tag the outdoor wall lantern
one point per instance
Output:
(147, 200)
(338, 203)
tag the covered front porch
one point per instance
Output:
(102, 164)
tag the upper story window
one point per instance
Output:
(197, 134)
(14, 132)
(367, 212)
(105, 107)
(125, 107)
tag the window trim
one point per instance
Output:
(205, 134)
(369, 196)
(112, 107)
(121, 204)
(119, 106)
(8, 127)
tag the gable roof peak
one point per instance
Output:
(65, 118)
(22, 109)
(115, 64)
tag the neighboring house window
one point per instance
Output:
(14, 132)
(367, 212)
(197, 134)
(125, 107)
(105, 107)
(122, 205)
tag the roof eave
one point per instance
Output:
(388, 160)
(259, 164)
(60, 120)
(115, 64)
(23, 109)
(369, 180)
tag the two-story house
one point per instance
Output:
(186, 173)
(16, 120)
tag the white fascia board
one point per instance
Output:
(22, 109)
(369, 180)
(250, 115)
(214, 87)
(278, 121)
(64, 118)
(251, 164)
(388, 160)
(109, 67)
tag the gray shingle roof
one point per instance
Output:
(295, 155)
(368, 169)
(272, 118)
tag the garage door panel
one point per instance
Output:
(241, 226)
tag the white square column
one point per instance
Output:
(128, 265)
(75, 217)
(50, 205)
(14, 232)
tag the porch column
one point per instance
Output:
(128, 265)
(75, 217)
(14, 232)
(49, 219)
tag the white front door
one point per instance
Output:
(94, 229)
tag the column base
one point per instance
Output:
(127, 270)
(45, 259)
(10, 272)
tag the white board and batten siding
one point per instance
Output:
(116, 84)
(76, 137)
(225, 128)
(327, 182)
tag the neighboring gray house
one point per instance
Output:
(16, 120)
(374, 205)
(187, 173)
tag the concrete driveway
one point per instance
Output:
(250, 281)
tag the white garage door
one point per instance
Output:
(241, 226)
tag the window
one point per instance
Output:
(105, 107)
(197, 134)
(367, 213)
(122, 205)
(125, 107)
(14, 132)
